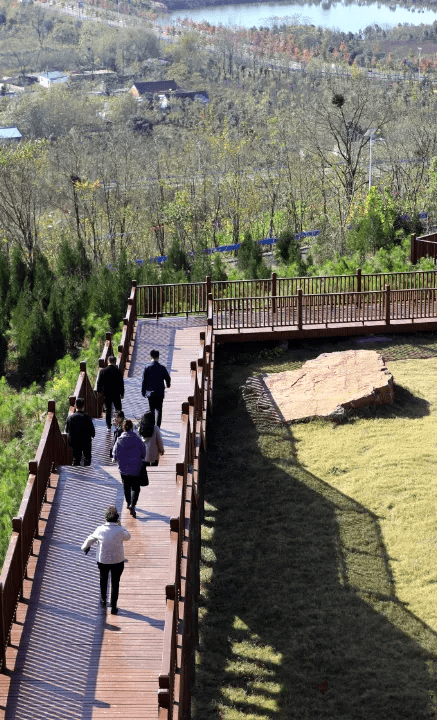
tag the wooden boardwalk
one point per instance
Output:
(69, 657)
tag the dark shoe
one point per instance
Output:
(102, 602)
(128, 506)
(108, 427)
(132, 511)
(114, 610)
(87, 463)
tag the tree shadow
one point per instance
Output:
(299, 613)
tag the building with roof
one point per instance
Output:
(10, 135)
(55, 77)
(148, 89)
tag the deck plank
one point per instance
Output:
(70, 658)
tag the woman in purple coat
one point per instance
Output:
(129, 452)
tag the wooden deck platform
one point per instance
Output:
(324, 330)
(71, 659)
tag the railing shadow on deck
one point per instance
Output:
(180, 629)
(52, 451)
(67, 622)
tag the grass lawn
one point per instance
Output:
(319, 559)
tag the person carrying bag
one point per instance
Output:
(129, 452)
(152, 438)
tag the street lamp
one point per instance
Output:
(370, 133)
(420, 57)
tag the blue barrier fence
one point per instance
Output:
(231, 248)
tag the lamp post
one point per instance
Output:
(370, 133)
(420, 57)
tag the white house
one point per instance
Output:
(51, 78)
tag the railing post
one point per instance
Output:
(134, 304)
(273, 292)
(413, 254)
(299, 309)
(210, 309)
(33, 470)
(2, 632)
(359, 288)
(387, 304)
(17, 523)
(109, 339)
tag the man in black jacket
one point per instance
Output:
(80, 430)
(153, 388)
(111, 384)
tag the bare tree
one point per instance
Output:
(22, 197)
(337, 129)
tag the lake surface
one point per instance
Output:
(348, 18)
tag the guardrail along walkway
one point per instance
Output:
(74, 659)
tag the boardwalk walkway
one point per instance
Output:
(70, 658)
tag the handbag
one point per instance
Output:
(144, 478)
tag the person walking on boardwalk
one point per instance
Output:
(118, 429)
(80, 430)
(152, 438)
(110, 554)
(111, 384)
(129, 452)
(155, 378)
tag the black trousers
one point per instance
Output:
(131, 486)
(155, 406)
(79, 448)
(116, 570)
(111, 400)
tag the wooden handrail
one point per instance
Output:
(52, 450)
(174, 695)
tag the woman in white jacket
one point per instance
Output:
(110, 554)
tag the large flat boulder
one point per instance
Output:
(331, 384)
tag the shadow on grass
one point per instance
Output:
(299, 614)
(405, 405)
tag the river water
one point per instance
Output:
(349, 18)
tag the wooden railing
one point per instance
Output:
(182, 589)
(324, 309)
(174, 299)
(157, 300)
(128, 329)
(53, 450)
(424, 246)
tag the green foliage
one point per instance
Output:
(110, 289)
(250, 258)
(374, 226)
(219, 271)
(177, 258)
(22, 415)
(287, 247)
(18, 273)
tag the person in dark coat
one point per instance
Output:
(80, 430)
(110, 382)
(155, 378)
